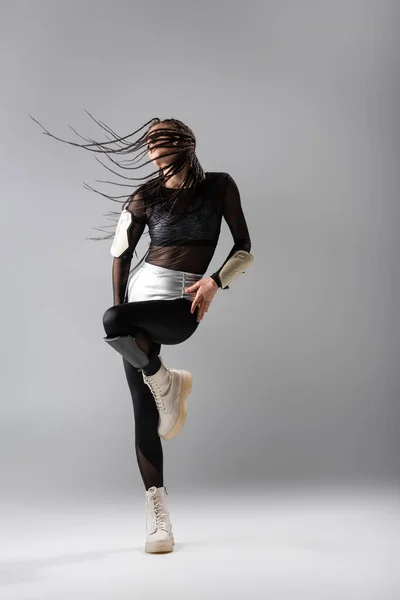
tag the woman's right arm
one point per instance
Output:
(129, 229)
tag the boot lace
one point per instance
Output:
(158, 511)
(155, 390)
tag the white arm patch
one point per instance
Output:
(121, 242)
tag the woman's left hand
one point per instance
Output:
(206, 290)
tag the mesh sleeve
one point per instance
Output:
(233, 214)
(121, 264)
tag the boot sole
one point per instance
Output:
(159, 547)
(186, 388)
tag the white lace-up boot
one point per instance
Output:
(159, 536)
(170, 388)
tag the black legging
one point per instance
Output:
(161, 322)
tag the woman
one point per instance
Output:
(165, 296)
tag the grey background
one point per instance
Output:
(296, 372)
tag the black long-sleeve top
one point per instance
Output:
(187, 242)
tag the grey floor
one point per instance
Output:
(281, 544)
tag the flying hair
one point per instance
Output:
(175, 136)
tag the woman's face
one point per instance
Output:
(155, 138)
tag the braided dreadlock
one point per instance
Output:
(175, 135)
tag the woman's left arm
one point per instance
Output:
(233, 214)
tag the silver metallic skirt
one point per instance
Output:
(151, 282)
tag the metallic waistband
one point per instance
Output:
(152, 282)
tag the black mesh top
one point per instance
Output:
(184, 237)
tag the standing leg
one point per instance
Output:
(149, 454)
(148, 446)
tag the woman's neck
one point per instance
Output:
(175, 182)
